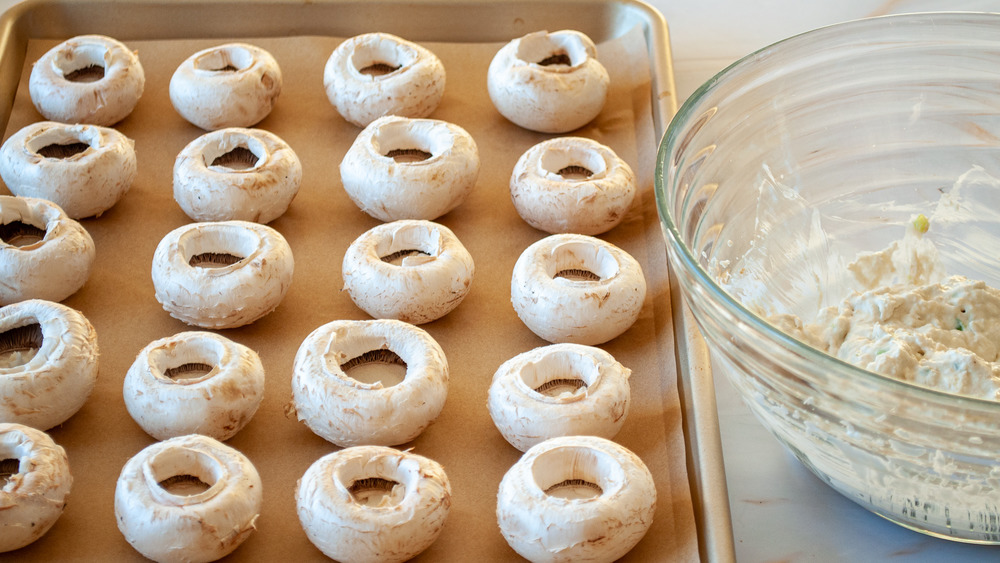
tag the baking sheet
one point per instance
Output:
(477, 337)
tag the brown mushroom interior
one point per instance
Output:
(576, 472)
(214, 260)
(82, 63)
(19, 233)
(582, 261)
(187, 361)
(557, 58)
(408, 155)
(559, 372)
(380, 365)
(185, 472)
(218, 245)
(545, 49)
(188, 372)
(184, 485)
(373, 491)
(20, 344)
(412, 141)
(381, 56)
(62, 150)
(574, 163)
(8, 468)
(379, 69)
(396, 258)
(239, 158)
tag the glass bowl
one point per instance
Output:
(781, 169)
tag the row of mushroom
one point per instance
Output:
(560, 404)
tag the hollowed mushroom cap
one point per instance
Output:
(43, 253)
(194, 383)
(236, 174)
(84, 169)
(572, 185)
(231, 85)
(33, 498)
(422, 187)
(433, 274)
(221, 274)
(63, 88)
(48, 363)
(408, 80)
(559, 390)
(576, 499)
(548, 82)
(164, 525)
(345, 516)
(375, 409)
(576, 288)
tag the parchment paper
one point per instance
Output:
(477, 337)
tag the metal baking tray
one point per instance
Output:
(450, 21)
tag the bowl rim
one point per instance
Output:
(673, 134)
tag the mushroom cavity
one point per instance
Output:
(572, 185)
(410, 270)
(236, 174)
(559, 390)
(87, 79)
(231, 85)
(548, 82)
(378, 382)
(84, 169)
(377, 74)
(194, 383)
(34, 483)
(43, 253)
(48, 363)
(576, 498)
(401, 168)
(221, 274)
(577, 288)
(373, 504)
(189, 498)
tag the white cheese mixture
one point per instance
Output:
(944, 335)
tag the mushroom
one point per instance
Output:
(221, 274)
(373, 504)
(576, 288)
(572, 185)
(548, 82)
(43, 253)
(48, 363)
(376, 74)
(194, 383)
(576, 499)
(85, 169)
(34, 483)
(236, 174)
(414, 271)
(231, 85)
(401, 168)
(559, 390)
(87, 79)
(378, 382)
(190, 498)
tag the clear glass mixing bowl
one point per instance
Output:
(784, 166)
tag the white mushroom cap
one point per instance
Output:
(376, 74)
(372, 504)
(572, 185)
(414, 271)
(376, 382)
(401, 168)
(548, 82)
(43, 253)
(194, 383)
(48, 363)
(85, 169)
(167, 516)
(33, 498)
(87, 79)
(222, 274)
(576, 499)
(231, 85)
(559, 390)
(576, 288)
(236, 174)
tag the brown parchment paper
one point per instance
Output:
(477, 337)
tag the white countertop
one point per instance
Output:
(781, 511)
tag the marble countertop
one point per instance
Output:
(781, 511)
